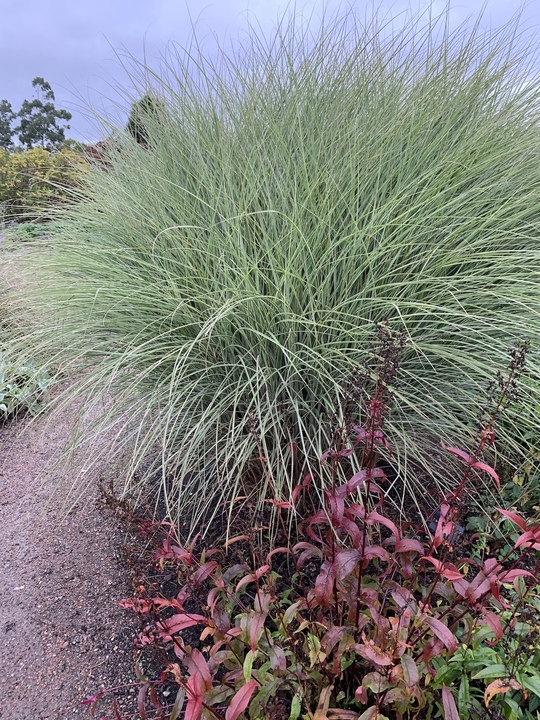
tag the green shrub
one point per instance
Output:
(31, 181)
(221, 282)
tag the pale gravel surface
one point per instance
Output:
(62, 634)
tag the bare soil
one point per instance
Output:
(63, 635)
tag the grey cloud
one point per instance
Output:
(71, 42)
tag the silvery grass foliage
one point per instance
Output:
(219, 281)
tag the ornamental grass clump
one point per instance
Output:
(220, 280)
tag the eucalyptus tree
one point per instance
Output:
(39, 119)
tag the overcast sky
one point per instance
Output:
(74, 44)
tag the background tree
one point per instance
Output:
(6, 131)
(143, 115)
(39, 118)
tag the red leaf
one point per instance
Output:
(255, 625)
(406, 560)
(345, 562)
(161, 603)
(240, 701)
(500, 686)
(356, 511)
(335, 506)
(297, 489)
(375, 517)
(336, 454)
(409, 545)
(357, 481)
(444, 528)
(154, 699)
(252, 577)
(181, 621)
(449, 704)
(372, 551)
(331, 637)
(204, 571)
(141, 696)
(139, 605)
(410, 670)
(178, 704)
(471, 462)
(459, 453)
(277, 550)
(212, 598)
(305, 546)
(361, 433)
(444, 510)
(509, 576)
(489, 470)
(530, 538)
(93, 699)
(277, 658)
(479, 585)
(324, 584)
(117, 715)
(195, 699)
(447, 570)
(303, 485)
(373, 653)
(283, 504)
(379, 439)
(235, 539)
(318, 518)
(402, 596)
(431, 649)
(307, 555)
(514, 517)
(361, 696)
(198, 666)
(233, 571)
(439, 629)
(351, 528)
(494, 623)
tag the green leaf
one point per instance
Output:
(218, 695)
(248, 664)
(493, 671)
(372, 714)
(464, 696)
(267, 691)
(376, 682)
(532, 683)
(296, 707)
(314, 649)
(479, 636)
(514, 707)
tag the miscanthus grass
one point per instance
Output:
(218, 281)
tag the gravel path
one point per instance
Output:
(62, 634)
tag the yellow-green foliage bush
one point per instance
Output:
(31, 181)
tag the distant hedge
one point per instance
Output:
(31, 181)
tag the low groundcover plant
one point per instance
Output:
(376, 635)
(23, 386)
(360, 618)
